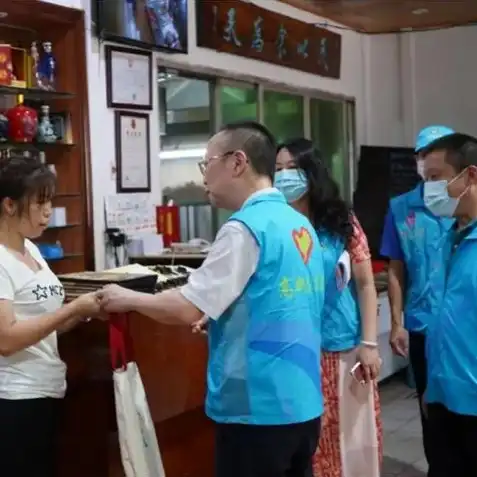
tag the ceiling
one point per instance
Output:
(381, 16)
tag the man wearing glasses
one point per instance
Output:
(262, 289)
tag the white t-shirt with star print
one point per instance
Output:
(37, 371)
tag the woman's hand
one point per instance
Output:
(86, 305)
(201, 325)
(370, 362)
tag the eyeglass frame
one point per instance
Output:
(203, 164)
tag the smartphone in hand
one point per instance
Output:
(357, 373)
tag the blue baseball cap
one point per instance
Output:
(430, 134)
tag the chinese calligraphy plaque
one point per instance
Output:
(244, 29)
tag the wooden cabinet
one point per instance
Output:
(26, 21)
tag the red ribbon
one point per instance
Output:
(119, 341)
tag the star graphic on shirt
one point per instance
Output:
(40, 292)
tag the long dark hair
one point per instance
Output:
(327, 209)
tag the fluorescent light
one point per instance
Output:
(182, 154)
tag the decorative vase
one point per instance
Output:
(22, 123)
(46, 133)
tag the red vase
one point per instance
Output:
(22, 123)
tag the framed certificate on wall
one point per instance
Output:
(128, 78)
(133, 158)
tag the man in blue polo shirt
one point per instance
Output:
(451, 393)
(410, 240)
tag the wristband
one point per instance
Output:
(369, 344)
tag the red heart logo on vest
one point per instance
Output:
(303, 242)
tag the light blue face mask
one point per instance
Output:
(291, 183)
(438, 200)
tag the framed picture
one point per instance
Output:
(128, 78)
(133, 158)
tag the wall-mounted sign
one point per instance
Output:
(244, 29)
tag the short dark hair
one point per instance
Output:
(460, 149)
(24, 179)
(256, 141)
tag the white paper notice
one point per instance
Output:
(134, 214)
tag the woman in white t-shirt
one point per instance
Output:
(32, 375)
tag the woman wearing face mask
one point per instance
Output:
(349, 326)
(32, 375)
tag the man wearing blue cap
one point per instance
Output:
(451, 393)
(412, 240)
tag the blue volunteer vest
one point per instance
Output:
(421, 235)
(452, 337)
(341, 325)
(264, 351)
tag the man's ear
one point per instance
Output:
(240, 162)
(472, 171)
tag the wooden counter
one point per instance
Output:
(193, 260)
(172, 362)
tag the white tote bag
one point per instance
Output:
(140, 453)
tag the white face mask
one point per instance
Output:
(437, 198)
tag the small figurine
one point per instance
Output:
(47, 67)
(323, 60)
(35, 57)
(215, 11)
(257, 40)
(229, 31)
(280, 42)
(10, 73)
(46, 132)
(302, 48)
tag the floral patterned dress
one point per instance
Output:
(335, 456)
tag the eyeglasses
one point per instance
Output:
(203, 164)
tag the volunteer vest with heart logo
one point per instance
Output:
(264, 350)
(341, 326)
(422, 237)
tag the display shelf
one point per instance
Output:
(66, 256)
(24, 22)
(35, 94)
(42, 146)
(66, 195)
(66, 226)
